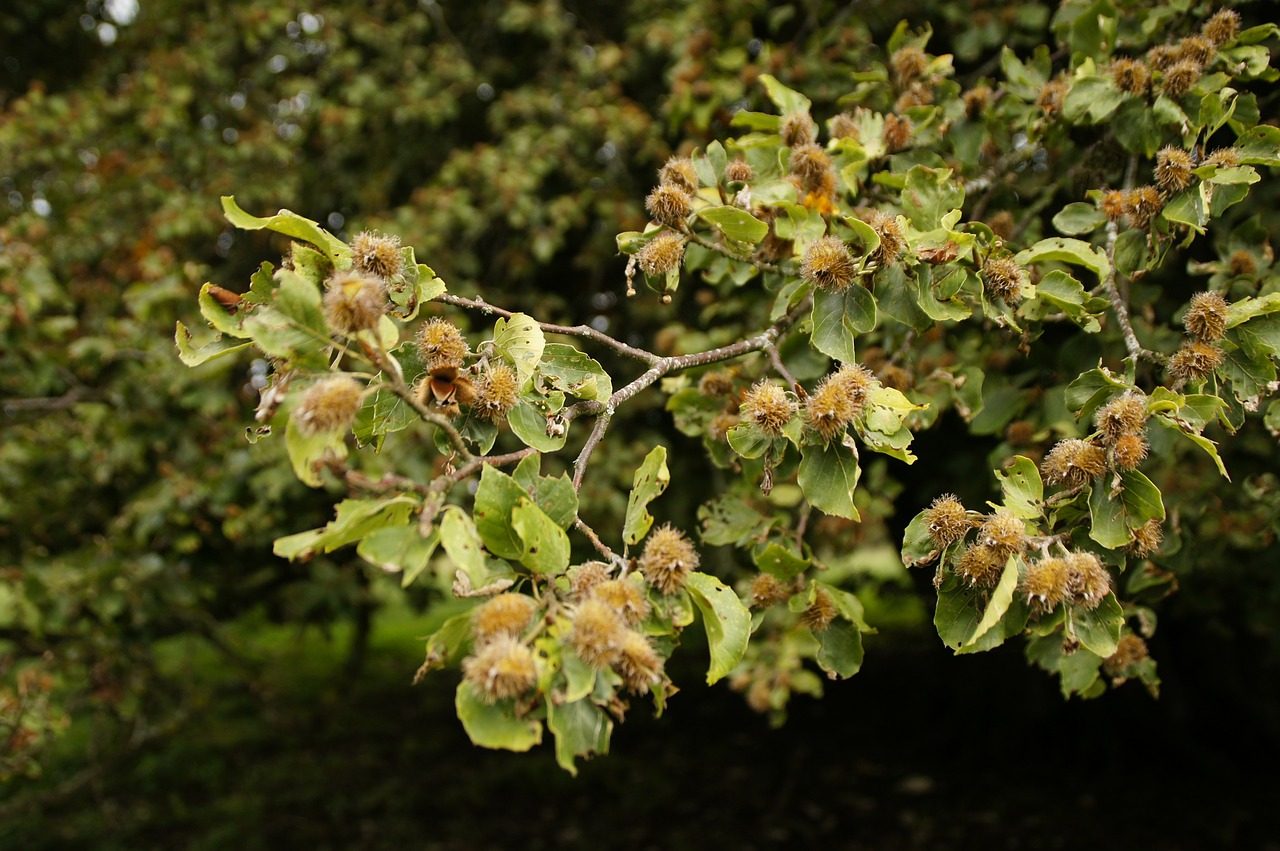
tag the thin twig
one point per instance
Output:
(712, 245)
(756, 343)
(779, 366)
(551, 328)
(1120, 306)
(614, 558)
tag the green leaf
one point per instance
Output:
(580, 678)
(651, 479)
(1074, 251)
(1090, 390)
(218, 317)
(462, 544)
(308, 451)
(290, 224)
(1078, 217)
(787, 100)
(1091, 100)
(546, 546)
(494, 726)
(726, 620)
(519, 340)
(496, 495)
(736, 224)
(962, 608)
(1242, 310)
(918, 546)
(1114, 517)
(839, 317)
(567, 369)
(353, 520)
(929, 195)
(530, 425)
(730, 520)
(193, 355)
(1022, 488)
(1137, 128)
(580, 729)
(780, 562)
(828, 476)
(1099, 629)
(998, 604)
(554, 495)
(749, 440)
(840, 649)
(399, 549)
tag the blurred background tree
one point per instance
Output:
(508, 142)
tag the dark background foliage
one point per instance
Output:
(507, 142)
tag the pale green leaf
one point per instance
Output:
(726, 620)
(651, 479)
(494, 726)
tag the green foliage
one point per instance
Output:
(1020, 249)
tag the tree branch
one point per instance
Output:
(551, 328)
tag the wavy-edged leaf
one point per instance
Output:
(726, 620)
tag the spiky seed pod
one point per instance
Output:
(908, 63)
(354, 302)
(1223, 27)
(680, 173)
(596, 633)
(1020, 433)
(1130, 651)
(1003, 533)
(896, 133)
(739, 171)
(1131, 76)
(980, 566)
(856, 382)
(1242, 263)
(1125, 414)
(1046, 583)
(947, 520)
(441, 344)
(1224, 158)
(1050, 97)
(1195, 361)
(1130, 451)
(715, 384)
(829, 409)
(497, 392)
(661, 254)
(1179, 78)
(1004, 278)
(916, 94)
(505, 614)
(624, 597)
(586, 576)
(501, 669)
(1173, 169)
(1114, 204)
(1206, 319)
(1142, 204)
(810, 162)
(718, 428)
(1087, 580)
(828, 264)
(1162, 57)
(1196, 49)
(1072, 462)
(767, 590)
(821, 612)
(670, 205)
(329, 405)
(638, 663)
(842, 126)
(668, 559)
(976, 101)
(797, 129)
(891, 239)
(768, 407)
(1146, 539)
(373, 254)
